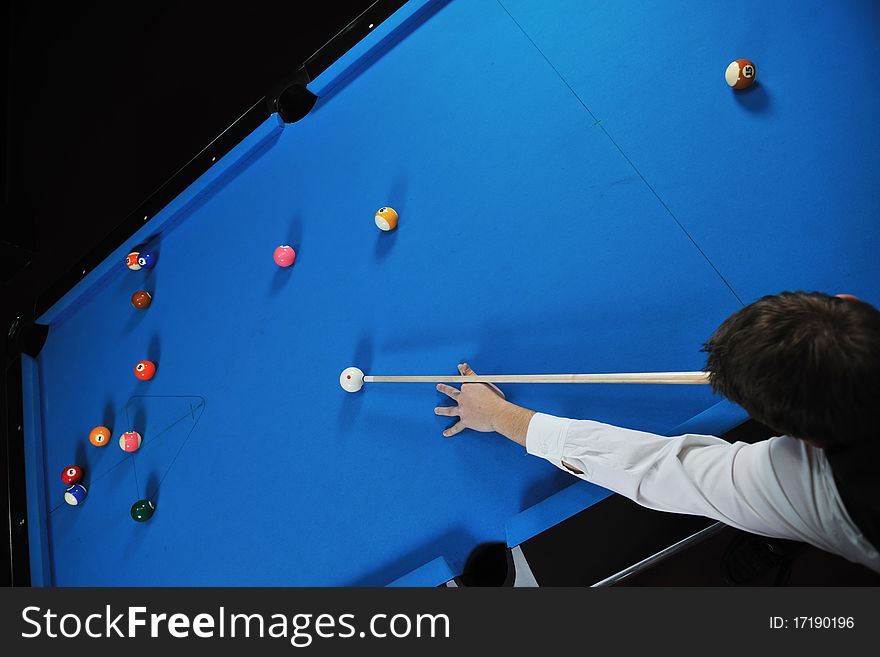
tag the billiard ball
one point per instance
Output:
(284, 255)
(146, 259)
(131, 261)
(351, 379)
(386, 219)
(740, 74)
(142, 510)
(75, 495)
(130, 441)
(99, 436)
(145, 370)
(141, 299)
(72, 474)
(851, 297)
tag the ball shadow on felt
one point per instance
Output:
(151, 488)
(293, 238)
(754, 99)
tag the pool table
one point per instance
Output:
(578, 190)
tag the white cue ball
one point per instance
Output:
(351, 379)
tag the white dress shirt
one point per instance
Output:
(780, 487)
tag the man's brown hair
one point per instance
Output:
(806, 364)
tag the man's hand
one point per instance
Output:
(479, 405)
(482, 407)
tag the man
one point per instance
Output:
(805, 364)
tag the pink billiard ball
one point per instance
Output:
(284, 256)
(130, 441)
(145, 370)
(72, 474)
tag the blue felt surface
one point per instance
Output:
(528, 243)
(385, 36)
(778, 184)
(714, 421)
(434, 573)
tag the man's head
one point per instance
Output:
(806, 364)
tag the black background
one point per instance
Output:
(104, 102)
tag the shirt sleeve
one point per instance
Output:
(779, 487)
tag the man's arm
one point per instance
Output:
(780, 487)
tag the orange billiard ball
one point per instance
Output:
(740, 74)
(386, 219)
(145, 370)
(99, 436)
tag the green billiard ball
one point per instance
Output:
(142, 510)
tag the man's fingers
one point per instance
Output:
(465, 370)
(448, 390)
(458, 427)
(447, 410)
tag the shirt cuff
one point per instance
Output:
(546, 436)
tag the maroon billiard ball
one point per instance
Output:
(72, 474)
(740, 74)
(141, 299)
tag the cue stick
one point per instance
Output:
(681, 378)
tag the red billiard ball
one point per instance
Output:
(284, 255)
(145, 370)
(72, 474)
(131, 261)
